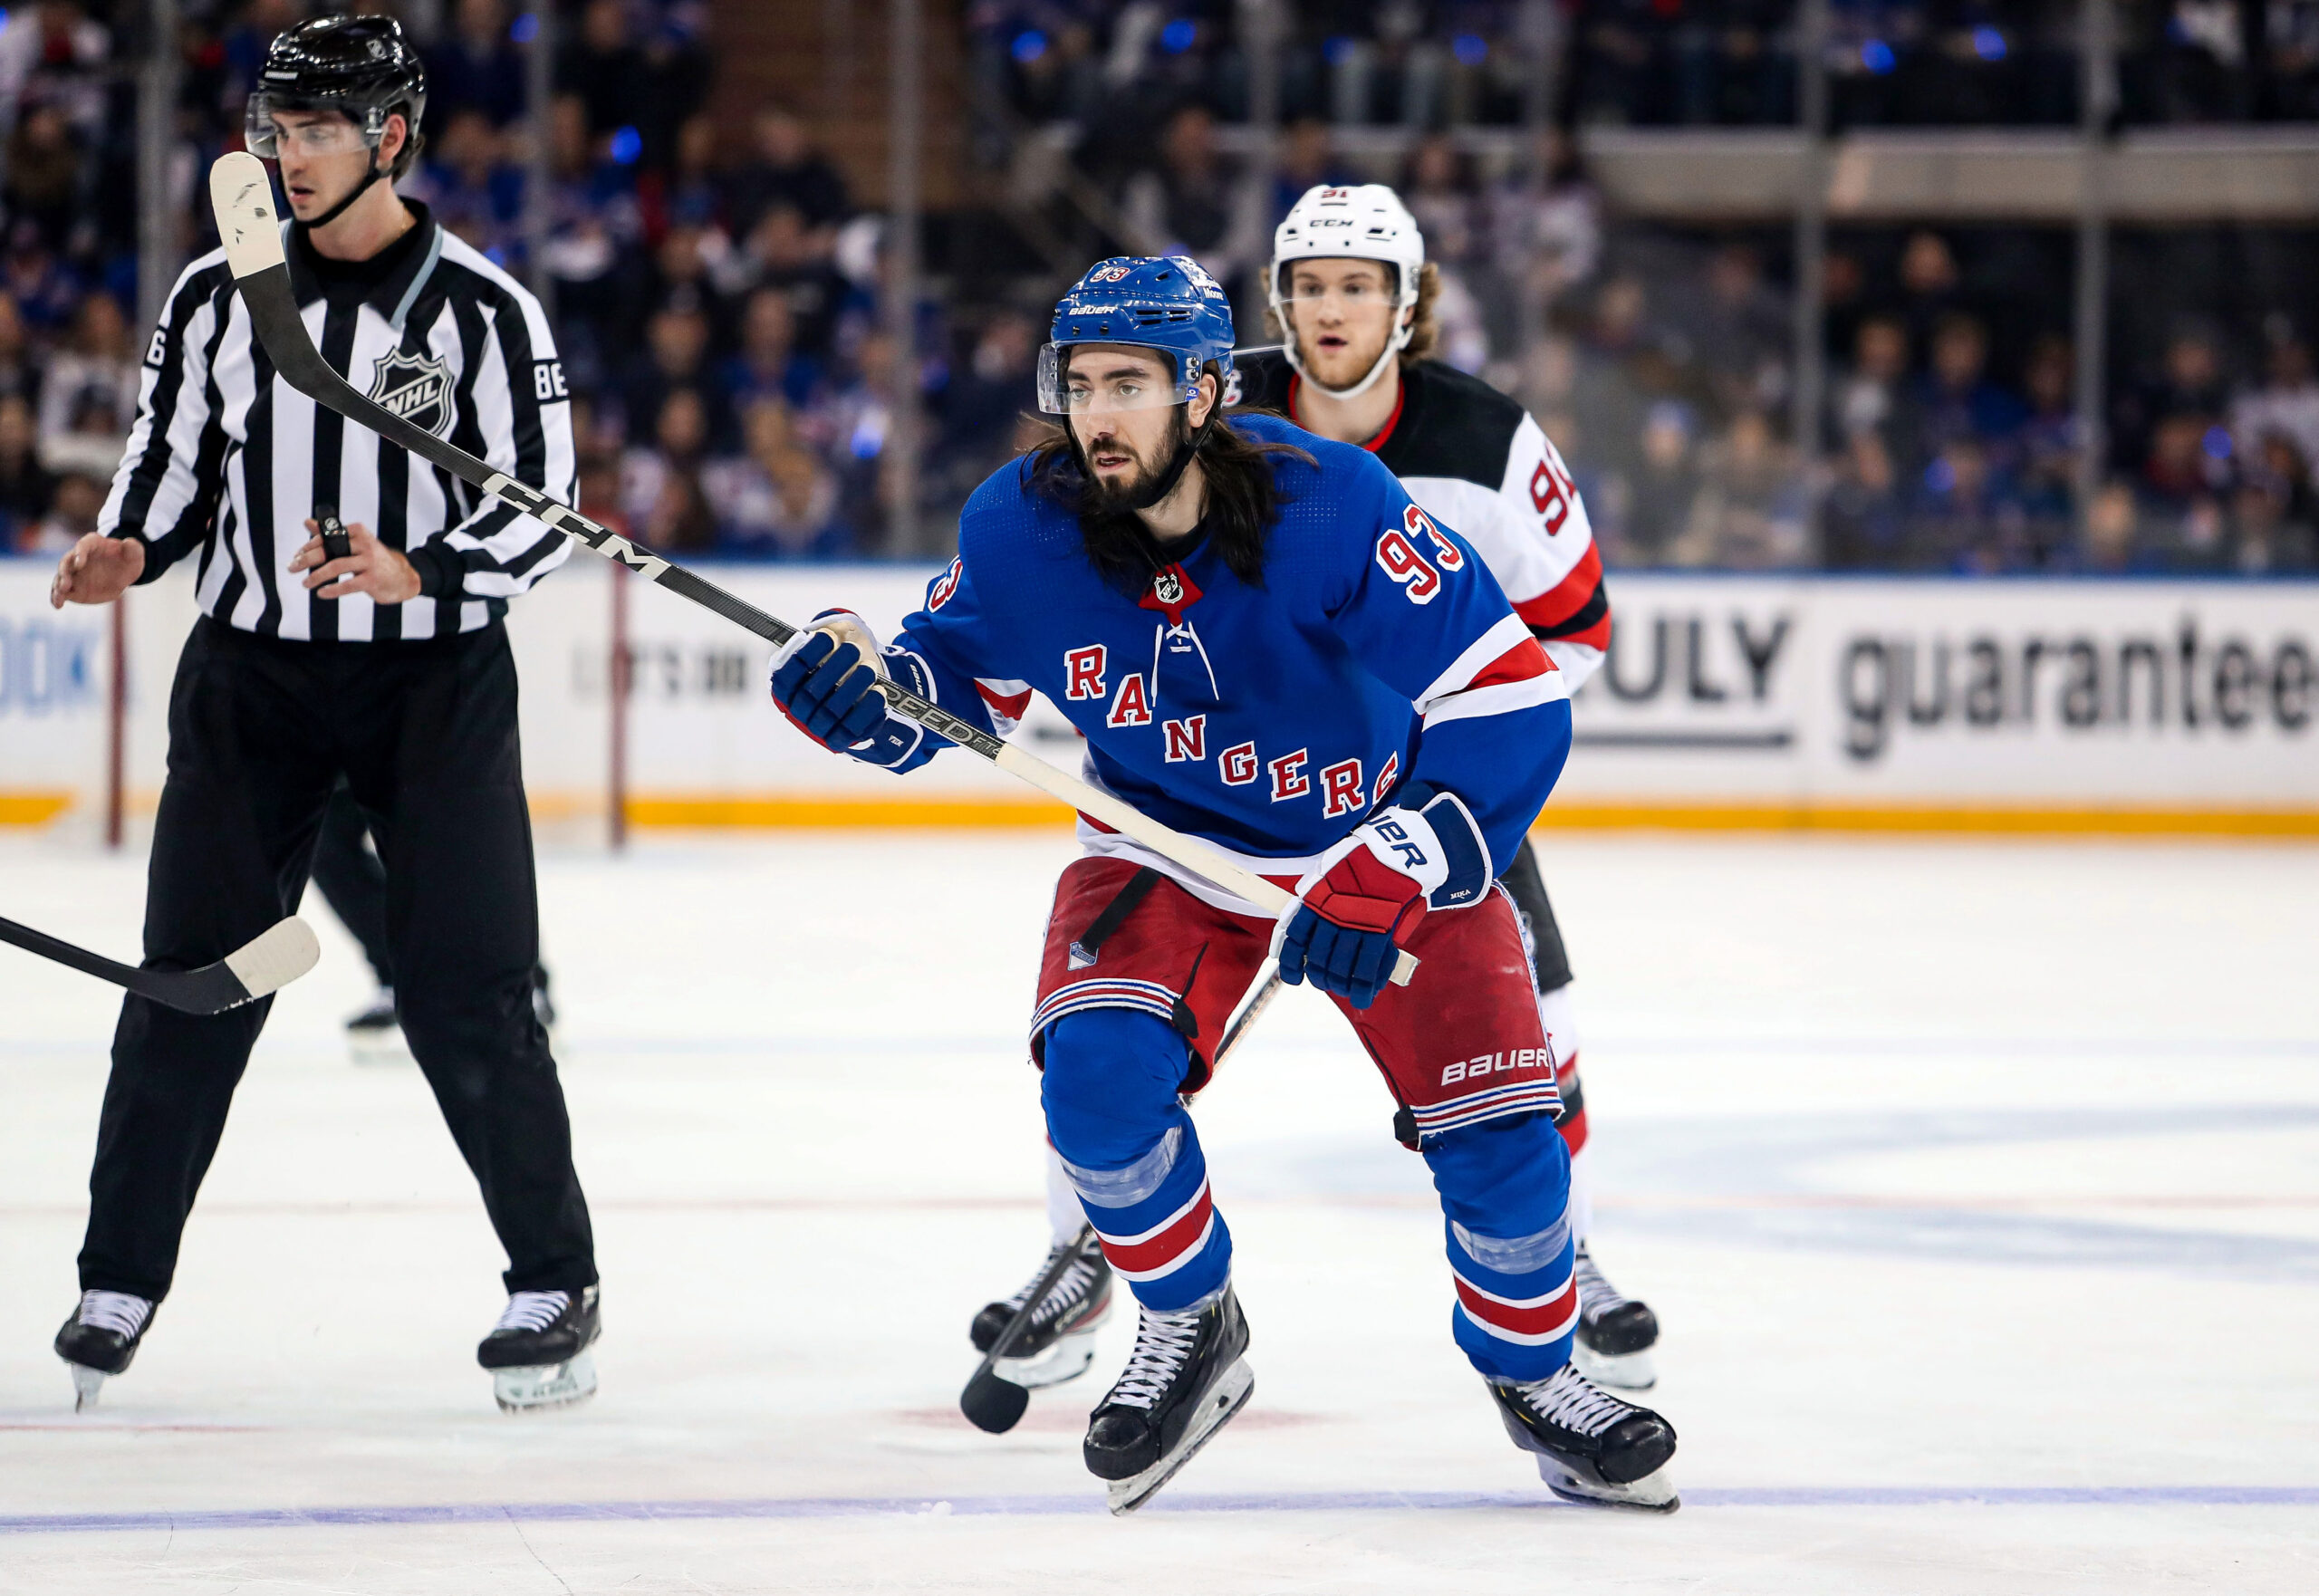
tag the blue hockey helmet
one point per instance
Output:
(1164, 302)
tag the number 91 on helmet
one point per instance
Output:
(1167, 304)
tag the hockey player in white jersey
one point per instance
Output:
(1352, 295)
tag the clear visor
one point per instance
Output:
(307, 132)
(1346, 295)
(1087, 379)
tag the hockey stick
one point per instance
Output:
(242, 197)
(278, 956)
(990, 1400)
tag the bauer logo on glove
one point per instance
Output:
(1368, 894)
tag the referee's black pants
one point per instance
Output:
(261, 729)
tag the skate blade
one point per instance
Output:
(545, 1385)
(1067, 1358)
(1653, 1492)
(86, 1384)
(378, 1048)
(1630, 1371)
(1226, 1397)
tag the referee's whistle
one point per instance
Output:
(336, 544)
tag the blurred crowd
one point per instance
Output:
(1730, 63)
(723, 305)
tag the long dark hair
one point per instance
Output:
(1243, 500)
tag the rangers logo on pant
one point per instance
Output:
(417, 388)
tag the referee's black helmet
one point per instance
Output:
(359, 66)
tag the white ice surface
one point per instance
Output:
(1977, 1186)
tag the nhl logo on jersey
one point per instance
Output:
(417, 388)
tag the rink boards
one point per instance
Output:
(1728, 701)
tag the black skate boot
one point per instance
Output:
(1186, 1379)
(1590, 1447)
(375, 1036)
(1615, 1332)
(1059, 1341)
(100, 1340)
(538, 1352)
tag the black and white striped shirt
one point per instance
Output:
(227, 458)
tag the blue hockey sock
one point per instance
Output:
(1504, 1188)
(1131, 1154)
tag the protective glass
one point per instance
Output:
(1356, 292)
(320, 133)
(1103, 381)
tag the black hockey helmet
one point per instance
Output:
(359, 66)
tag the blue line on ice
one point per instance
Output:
(1182, 1502)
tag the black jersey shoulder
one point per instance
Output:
(1452, 425)
(1263, 381)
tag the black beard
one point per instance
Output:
(1107, 496)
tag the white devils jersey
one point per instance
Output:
(1474, 458)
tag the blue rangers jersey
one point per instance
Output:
(1268, 721)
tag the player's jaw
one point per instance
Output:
(1120, 468)
(1339, 349)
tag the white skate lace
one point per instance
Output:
(1596, 1295)
(532, 1311)
(1077, 1281)
(115, 1310)
(1162, 1343)
(1568, 1398)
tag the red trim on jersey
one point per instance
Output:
(1519, 663)
(1010, 705)
(1567, 597)
(1400, 397)
(1573, 1131)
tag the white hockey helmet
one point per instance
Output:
(1368, 223)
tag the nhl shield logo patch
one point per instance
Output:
(417, 388)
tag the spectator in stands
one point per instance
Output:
(675, 88)
(1932, 286)
(682, 273)
(1860, 520)
(1739, 331)
(2188, 383)
(2184, 484)
(1873, 395)
(46, 293)
(1195, 202)
(1547, 239)
(1966, 519)
(1308, 159)
(602, 67)
(1659, 494)
(784, 169)
(2113, 533)
(71, 514)
(2047, 452)
(2287, 402)
(54, 53)
(1751, 513)
(986, 396)
(1442, 191)
(784, 252)
(592, 252)
(779, 500)
(89, 396)
(1955, 400)
(2275, 522)
(476, 66)
(26, 487)
(767, 365)
(20, 371)
(676, 356)
(470, 186)
(660, 486)
(44, 168)
(688, 195)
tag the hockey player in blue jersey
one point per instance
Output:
(1269, 646)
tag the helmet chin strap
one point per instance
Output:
(370, 174)
(1393, 345)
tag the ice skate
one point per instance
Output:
(100, 1340)
(1615, 1333)
(538, 1352)
(1186, 1379)
(375, 1036)
(1059, 1341)
(1590, 1447)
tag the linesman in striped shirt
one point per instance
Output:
(376, 654)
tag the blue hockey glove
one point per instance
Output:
(828, 691)
(1367, 894)
(826, 681)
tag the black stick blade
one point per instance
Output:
(993, 1404)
